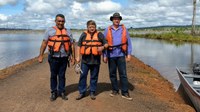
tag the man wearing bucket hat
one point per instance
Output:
(118, 52)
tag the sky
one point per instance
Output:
(40, 14)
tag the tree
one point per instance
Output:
(194, 17)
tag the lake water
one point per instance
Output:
(21, 46)
(165, 56)
(161, 55)
(18, 47)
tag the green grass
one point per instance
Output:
(172, 36)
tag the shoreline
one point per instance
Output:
(149, 89)
(8, 71)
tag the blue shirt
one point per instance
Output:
(51, 32)
(117, 37)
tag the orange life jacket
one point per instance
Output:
(123, 44)
(60, 38)
(90, 44)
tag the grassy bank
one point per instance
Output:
(180, 34)
(182, 37)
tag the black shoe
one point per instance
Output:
(80, 96)
(126, 96)
(53, 96)
(114, 93)
(92, 96)
(63, 96)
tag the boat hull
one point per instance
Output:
(189, 89)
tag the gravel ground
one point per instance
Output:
(25, 88)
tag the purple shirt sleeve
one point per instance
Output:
(105, 51)
(129, 43)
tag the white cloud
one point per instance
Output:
(86, 1)
(172, 3)
(77, 9)
(104, 7)
(99, 11)
(175, 14)
(5, 2)
(135, 13)
(150, 8)
(44, 6)
(3, 17)
(160, 12)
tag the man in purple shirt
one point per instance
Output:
(118, 52)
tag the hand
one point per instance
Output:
(40, 59)
(105, 59)
(72, 60)
(99, 49)
(128, 58)
(77, 59)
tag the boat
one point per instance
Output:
(191, 85)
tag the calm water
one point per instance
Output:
(165, 57)
(161, 55)
(18, 47)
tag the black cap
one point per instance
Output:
(115, 15)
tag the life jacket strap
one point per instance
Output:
(92, 45)
(116, 46)
(59, 40)
(91, 41)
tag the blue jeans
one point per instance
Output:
(120, 64)
(94, 72)
(58, 67)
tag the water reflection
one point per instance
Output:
(16, 48)
(21, 46)
(165, 56)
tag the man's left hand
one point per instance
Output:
(72, 61)
(128, 58)
(99, 49)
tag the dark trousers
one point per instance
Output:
(94, 72)
(58, 67)
(120, 64)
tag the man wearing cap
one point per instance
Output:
(118, 52)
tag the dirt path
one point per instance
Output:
(27, 90)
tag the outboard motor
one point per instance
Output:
(196, 68)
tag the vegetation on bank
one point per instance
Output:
(179, 34)
(170, 33)
(170, 36)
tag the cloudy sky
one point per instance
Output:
(40, 14)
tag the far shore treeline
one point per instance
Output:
(144, 29)
(170, 33)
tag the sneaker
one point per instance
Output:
(80, 96)
(92, 96)
(114, 93)
(126, 96)
(63, 96)
(53, 96)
